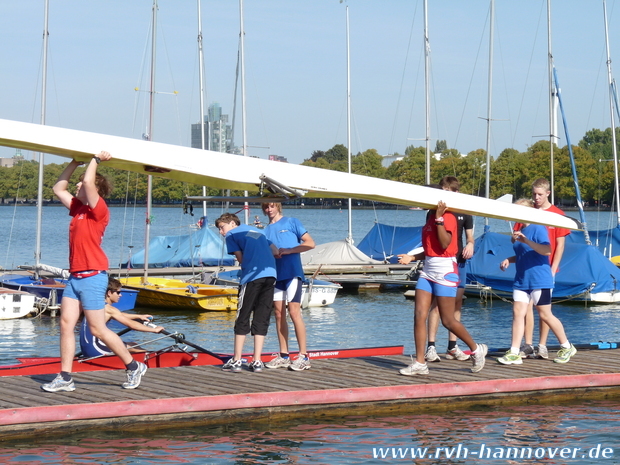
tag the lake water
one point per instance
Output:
(371, 318)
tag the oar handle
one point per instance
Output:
(180, 338)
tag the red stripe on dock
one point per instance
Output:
(291, 398)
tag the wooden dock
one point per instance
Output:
(187, 396)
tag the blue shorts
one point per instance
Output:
(438, 290)
(89, 291)
(462, 275)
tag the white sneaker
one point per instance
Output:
(456, 354)
(416, 368)
(478, 358)
(135, 376)
(59, 384)
(279, 362)
(301, 363)
(431, 355)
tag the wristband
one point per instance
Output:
(438, 223)
(97, 159)
(439, 219)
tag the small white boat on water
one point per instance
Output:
(315, 292)
(15, 304)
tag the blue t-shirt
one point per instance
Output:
(286, 233)
(533, 269)
(258, 260)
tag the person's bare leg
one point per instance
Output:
(294, 310)
(552, 323)
(97, 324)
(519, 319)
(259, 342)
(238, 351)
(446, 311)
(69, 316)
(458, 306)
(544, 332)
(433, 322)
(279, 310)
(422, 304)
(529, 325)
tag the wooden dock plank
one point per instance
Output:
(338, 378)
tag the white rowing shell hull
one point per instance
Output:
(227, 171)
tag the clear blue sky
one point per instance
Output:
(296, 70)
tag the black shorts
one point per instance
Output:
(255, 297)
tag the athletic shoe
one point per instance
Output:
(431, 355)
(300, 363)
(135, 376)
(456, 354)
(478, 358)
(416, 368)
(527, 351)
(564, 355)
(510, 358)
(279, 362)
(232, 365)
(542, 352)
(59, 384)
(256, 366)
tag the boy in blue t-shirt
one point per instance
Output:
(256, 255)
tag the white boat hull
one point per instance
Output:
(15, 304)
(225, 171)
(320, 294)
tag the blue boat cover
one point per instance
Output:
(384, 242)
(583, 267)
(602, 239)
(203, 247)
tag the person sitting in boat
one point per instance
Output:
(533, 285)
(94, 347)
(257, 222)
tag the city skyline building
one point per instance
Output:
(218, 133)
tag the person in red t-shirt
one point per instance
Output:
(439, 278)
(86, 289)
(541, 189)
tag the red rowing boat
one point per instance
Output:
(170, 358)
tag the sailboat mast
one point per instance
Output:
(149, 136)
(202, 99)
(611, 111)
(244, 146)
(426, 94)
(552, 104)
(37, 252)
(489, 103)
(350, 234)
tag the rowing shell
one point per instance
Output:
(51, 365)
(225, 171)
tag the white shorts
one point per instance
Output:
(288, 290)
(536, 296)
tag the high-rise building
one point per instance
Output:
(218, 133)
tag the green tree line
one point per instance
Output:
(512, 172)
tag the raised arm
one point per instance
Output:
(61, 188)
(90, 176)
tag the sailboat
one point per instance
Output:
(608, 240)
(164, 292)
(46, 290)
(339, 260)
(584, 274)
